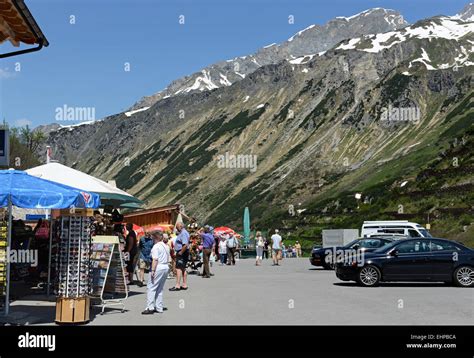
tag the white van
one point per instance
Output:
(402, 227)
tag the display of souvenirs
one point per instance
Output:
(73, 263)
(3, 256)
(100, 258)
(107, 270)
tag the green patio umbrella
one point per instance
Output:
(246, 225)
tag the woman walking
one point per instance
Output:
(223, 250)
(259, 245)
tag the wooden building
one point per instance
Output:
(150, 217)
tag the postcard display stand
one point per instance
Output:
(73, 268)
(108, 273)
(3, 258)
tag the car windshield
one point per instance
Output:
(372, 243)
(387, 247)
(424, 232)
(352, 243)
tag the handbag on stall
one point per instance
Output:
(43, 231)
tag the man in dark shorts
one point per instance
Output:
(181, 248)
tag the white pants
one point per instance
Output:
(155, 288)
(259, 253)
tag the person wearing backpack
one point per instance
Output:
(231, 249)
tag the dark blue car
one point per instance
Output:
(432, 260)
(323, 256)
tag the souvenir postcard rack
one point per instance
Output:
(108, 273)
(73, 268)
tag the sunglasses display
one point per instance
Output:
(73, 263)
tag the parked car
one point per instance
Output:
(402, 227)
(431, 260)
(392, 236)
(322, 256)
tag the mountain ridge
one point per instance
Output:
(315, 125)
(218, 74)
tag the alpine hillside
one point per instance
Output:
(365, 104)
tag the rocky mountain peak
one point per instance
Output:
(467, 13)
(311, 40)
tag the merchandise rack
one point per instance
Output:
(108, 278)
(3, 257)
(73, 269)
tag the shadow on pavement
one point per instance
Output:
(397, 284)
(319, 269)
(35, 314)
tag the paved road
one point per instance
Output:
(297, 293)
(294, 293)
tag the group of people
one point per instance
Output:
(166, 258)
(175, 256)
(277, 247)
(137, 253)
(291, 251)
(226, 246)
(166, 255)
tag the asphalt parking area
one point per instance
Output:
(296, 293)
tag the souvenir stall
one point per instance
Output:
(19, 189)
(108, 221)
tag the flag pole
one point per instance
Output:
(48, 154)
(50, 251)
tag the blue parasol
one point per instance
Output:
(29, 192)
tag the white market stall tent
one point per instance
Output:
(109, 194)
(62, 174)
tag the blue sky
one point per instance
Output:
(84, 64)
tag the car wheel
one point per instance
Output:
(369, 276)
(329, 266)
(464, 276)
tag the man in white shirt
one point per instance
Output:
(276, 248)
(158, 274)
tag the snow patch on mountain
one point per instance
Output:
(224, 81)
(301, 60)
(442, 27)
(71, 127)
(130, 113)
(424, 59)
(362, 13)
(201, 83)
(300, 32)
